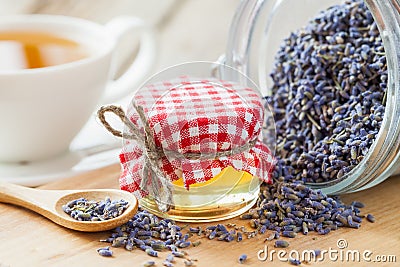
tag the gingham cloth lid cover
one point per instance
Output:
(195, 115)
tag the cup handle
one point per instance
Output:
(142, 64)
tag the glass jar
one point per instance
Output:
(258, 28)
(196, 145)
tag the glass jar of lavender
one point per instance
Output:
(330, 72)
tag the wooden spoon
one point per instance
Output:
(49, 204)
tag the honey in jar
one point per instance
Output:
(206, 146)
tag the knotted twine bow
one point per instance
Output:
(151, 154)
(161, 188)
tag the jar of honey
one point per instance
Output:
(195, 144)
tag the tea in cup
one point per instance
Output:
(34, 49)
(54, 72)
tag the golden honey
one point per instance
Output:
(30, 50)
(226, 195)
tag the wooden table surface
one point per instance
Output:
(27, 239)
(188, 30)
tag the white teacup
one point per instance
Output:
(43, 109)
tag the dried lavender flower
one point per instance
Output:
(151, 252)
(319, 212)
(370, 218)
(328, 94)
(105, 252)
(188, 263)
(170, 258)
(178, 254)
(82, 209)
(242, 258)
(196, 243)
(294, 262)
(148, 233)
(357, 204)
(281, 244)
(239, 237)
(149, 264)
(168, 264)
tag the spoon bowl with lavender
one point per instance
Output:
(89, 210)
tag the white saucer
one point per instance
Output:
(67, 165)
(94, 147)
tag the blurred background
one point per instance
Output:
(187, 29)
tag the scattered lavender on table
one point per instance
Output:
(149, 264)
(281, 244)
(151, 252)
(150, 234)
(291, 208)
(170, 258)
(196, 243)
(105, 252)
(370, 218)
(328, 94)
(82, 209)
(242, 258)
(179, 254)
(188, 262)
(282, 209)
(294, 262)
(168, 264)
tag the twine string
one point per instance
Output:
(161, 188)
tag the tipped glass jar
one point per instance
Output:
(257, 31)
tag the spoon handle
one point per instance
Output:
(30, 198)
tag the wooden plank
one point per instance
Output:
(31, 240)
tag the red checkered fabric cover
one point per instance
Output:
(200, 116)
